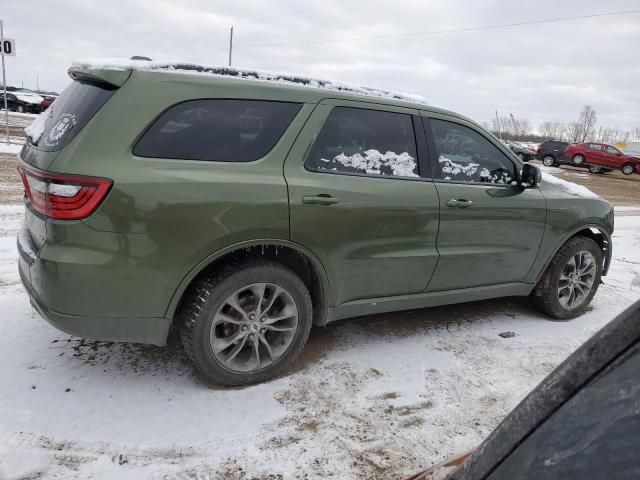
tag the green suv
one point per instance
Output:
(242, 207)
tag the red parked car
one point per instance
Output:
(603, 155)
(46, 103)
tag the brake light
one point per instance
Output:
(61, 196)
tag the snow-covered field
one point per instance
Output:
(377, 397)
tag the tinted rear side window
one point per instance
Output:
(70, 113)
(217, 130)
(365, 142)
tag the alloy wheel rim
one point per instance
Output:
(578, 160)
(627, 170)
(253, 327)
(548, 161)
(577, 279)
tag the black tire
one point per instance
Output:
(548, 161)
(545, 294)
(627, 169)
(578, 159)
(207, 296)
(20, 109)
(595, 169)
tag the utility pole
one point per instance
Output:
(515, 124)
(4, 82)
(498, 126)
(230, 44)
(38, 83)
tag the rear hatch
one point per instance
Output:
(50, 196)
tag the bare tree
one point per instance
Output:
(573, 132)
(586, 124)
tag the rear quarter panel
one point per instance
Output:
(162, 216)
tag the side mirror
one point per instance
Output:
(531, 176)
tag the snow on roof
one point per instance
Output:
(251, 74)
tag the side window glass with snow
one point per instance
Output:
(466, 156)
(358, 141)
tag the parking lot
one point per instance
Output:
(375, 397)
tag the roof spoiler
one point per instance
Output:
(113, 78)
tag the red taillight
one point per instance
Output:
(65, 197)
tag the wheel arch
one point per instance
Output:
(301, 260)
(597, 233)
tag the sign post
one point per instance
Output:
(7, 47)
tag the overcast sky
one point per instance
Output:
(540, 72)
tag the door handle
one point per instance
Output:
(459, 203)
(322, 199)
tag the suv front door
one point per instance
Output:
(357, 199)
(490, 228)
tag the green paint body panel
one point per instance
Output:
(388, 244)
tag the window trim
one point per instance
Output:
(434, 155)
(144, 131)
(420, 164)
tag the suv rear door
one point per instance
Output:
(490, 229)
(358, 202)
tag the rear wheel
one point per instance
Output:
(627, 168)
(20, 108)
(571, 280)
(595, 169)
(548, 161)
(578, 159)
(246, 324)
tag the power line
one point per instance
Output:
(439, 32)
(295, 12)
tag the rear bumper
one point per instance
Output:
(150, 330)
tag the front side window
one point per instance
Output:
(369, 142)
(610, 149)
(217, 130)
(466, 156)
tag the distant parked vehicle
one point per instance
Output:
(46, 103)
(552, 153)
(22, 102)
(523, 153)
(602, 155)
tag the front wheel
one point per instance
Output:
(627, 169)
(246, 324)
(571, 280)
(578, 159)
(548, 161)
(20, 109)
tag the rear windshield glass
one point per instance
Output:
(68, 114)
(217, 130)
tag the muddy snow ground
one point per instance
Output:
(375, 397)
